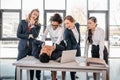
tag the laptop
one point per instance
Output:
(68, 56)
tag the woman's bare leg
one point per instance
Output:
(107, 75)
(63, 75)
(53, 75)
(94, 76)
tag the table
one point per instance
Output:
(30, 63)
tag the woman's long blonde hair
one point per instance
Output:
(37, 19)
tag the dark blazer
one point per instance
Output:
(57, 52)
(23, 35)
(71, 41)
(37, 46)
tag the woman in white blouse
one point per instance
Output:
(95, 37)
(55, 30)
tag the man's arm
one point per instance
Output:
(36, 48)
(59, 47)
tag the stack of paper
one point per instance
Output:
(96, 62)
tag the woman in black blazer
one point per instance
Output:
(27, 32)
(72, 37)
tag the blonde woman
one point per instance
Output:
(27, 32)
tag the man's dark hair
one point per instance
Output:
(44, 58)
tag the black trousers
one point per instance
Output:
(31, 74)
(37, 74)
(72, 74)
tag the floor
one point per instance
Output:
(7, 71)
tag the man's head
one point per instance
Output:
(44, 58)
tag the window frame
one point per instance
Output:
(1, 27)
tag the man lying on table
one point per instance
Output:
(45, 52)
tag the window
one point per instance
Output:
(8, 4)
(28, 5)
(114, 28)
(78, 9)
(114, 41)
(58, 4)
(97, 5)
(10, 21)
(115, 12)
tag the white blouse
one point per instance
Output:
(98, 39)
(76, 34)
(55, 35)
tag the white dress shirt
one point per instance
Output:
(98, 39)
(76, 34)
(55, 35)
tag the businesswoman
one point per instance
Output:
(95, 37)
(55, 30)
(27, 32)
(72, 37)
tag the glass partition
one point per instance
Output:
(58, 4)
(114, 28)
(10, 21)
(78, 9)
(97, 4)
(10, 4)
(114, 12)
(28, 5)
(114, 41)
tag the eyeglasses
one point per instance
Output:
(54, 25)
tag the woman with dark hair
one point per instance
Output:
(95, 37)
(27, 32)
(55, 30)
(72, 37)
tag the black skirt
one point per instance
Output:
(95, 52)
